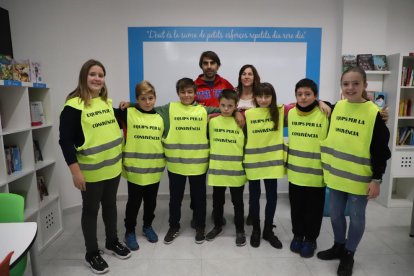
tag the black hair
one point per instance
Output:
(307, 83)
(256, 77)
(211, 55)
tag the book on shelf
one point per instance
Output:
(36, 113)
(41, 186)
(6, 67)
(378, 97)
(380, 62)
(37, 152)
(405, 108)
(13, 159)
(21, 70)
(407, 76)
(405, 136)
(17, 159)
(348, 61)
(9, 160)
(35, 72)
(365, 61)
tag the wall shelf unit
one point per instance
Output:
(397, 189)
(16, 131)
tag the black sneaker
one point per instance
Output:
(96, 263)
(255, 238)
(269, 236)
(333, 253)
(346, 264)
(119, 250)
(240, 239)
(200, 236)
(171, 235)
(213, 233)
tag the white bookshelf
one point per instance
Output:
(16, 129)
(397, 189)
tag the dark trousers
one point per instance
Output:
(236, 193)
(137, 194)
(197, 194)
(254, 201)
(306, 210)
(104, 193)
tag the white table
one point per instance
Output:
(19, 237)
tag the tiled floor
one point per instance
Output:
(386, 248)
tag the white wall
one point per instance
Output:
(63, 34)
(378, 26)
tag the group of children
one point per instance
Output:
(180, 136)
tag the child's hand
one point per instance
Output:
(123, 105)
(384, 113)
(325, 108)
(240, 120)
(212, 115)
(373, 190)
(79, 181)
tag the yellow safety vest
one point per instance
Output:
(186, 145)
(264, 154)
(226, 153)
(345, 153)
(304, 166)
(143, 153)
(100, 156)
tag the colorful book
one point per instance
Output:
(6, 67)
(380, 62)
(348, 61)
(17, 159)
(21, 70)
(35, 72)
(378, 97)
(365, 61)
(36, 113)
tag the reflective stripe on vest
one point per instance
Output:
(264, 151)
(346, 151)
(306, 130)
(143, 152)
(100, 156)
(186, 145)
(226, 153)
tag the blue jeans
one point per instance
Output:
(357, 206)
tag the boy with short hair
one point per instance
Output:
(225, 166)
(186, 151)
(307, 126)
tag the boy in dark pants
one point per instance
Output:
(225, 167)
(186, 151)
(307, 126)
